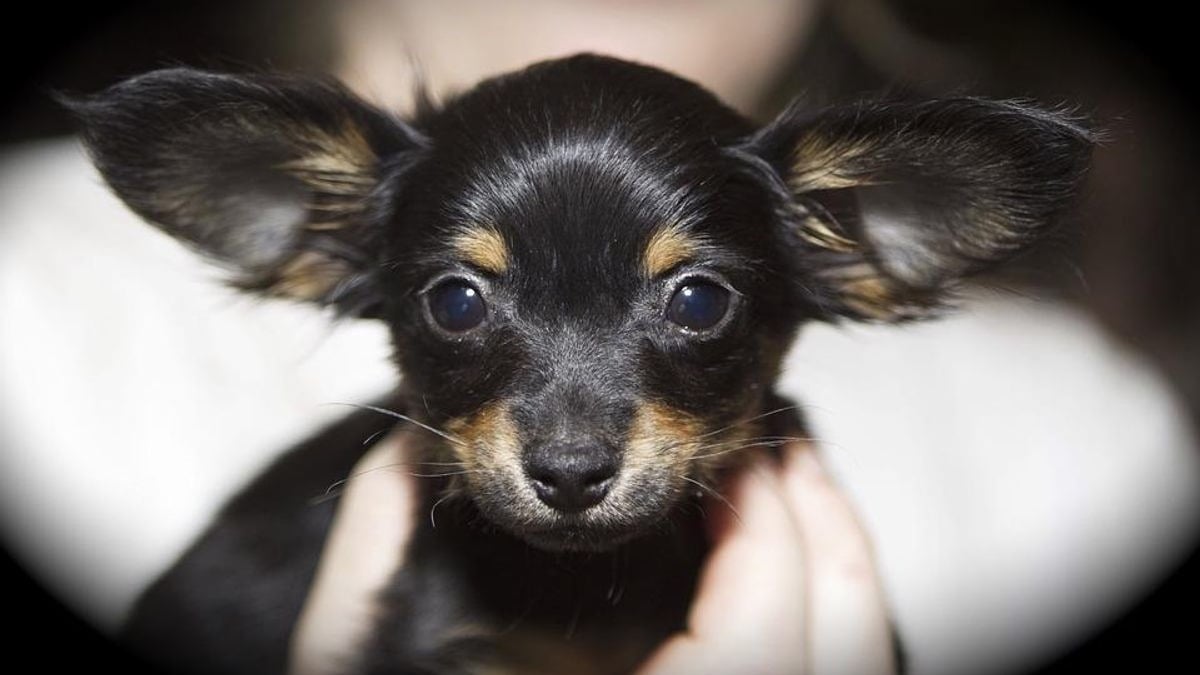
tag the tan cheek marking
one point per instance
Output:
(483, 247)
(665, 437)
(489, 439)
(667, 248)
(661, 435)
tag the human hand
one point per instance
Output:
(375, 520)
(790, 586)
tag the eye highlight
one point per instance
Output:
(456, 306)
(698, 305)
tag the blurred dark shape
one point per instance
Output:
(85, 47)
(42, 626)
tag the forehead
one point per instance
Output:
(570, 225)
(587, 165)
(567, 204)
(485, 247)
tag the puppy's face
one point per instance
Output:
(591, 269)
(585, 302)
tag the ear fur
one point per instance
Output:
(886, 206)
(283, 180)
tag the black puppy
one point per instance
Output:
(591, 271)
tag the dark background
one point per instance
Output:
(1132, 259)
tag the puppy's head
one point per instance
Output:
(591, 269)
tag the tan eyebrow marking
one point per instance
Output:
(483, 247)
(667, 248)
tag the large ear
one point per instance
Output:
(884, 207)
(286, 181)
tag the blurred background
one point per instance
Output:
(1126, 268)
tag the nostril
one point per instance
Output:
(546, 491)
(542, 476)
(571, 478)
(598, 476)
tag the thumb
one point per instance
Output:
(748, 614)
(364, 548)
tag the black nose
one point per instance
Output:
(571, 477)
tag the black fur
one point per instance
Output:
(229, 604)
(873, 211)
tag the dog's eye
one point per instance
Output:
(698, 305)
(457, 306)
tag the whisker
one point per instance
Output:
(754, 439)
(395, 465)
(761, 441)
(331, 492)
(443, 475)
(746, 446)
(749, 420)
(406, 418)
(716, 495)
(433, 509)
(438, 463)
(425, 463)
(371, 439)
(334, 490)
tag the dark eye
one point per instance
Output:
(698, 305)
(457, 306)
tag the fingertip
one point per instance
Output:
(394, 448)
(809, 485)
(757, 498)
(373, 524)
(802, 459)
(849, 628)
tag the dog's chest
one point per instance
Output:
(476, 600)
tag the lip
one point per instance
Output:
(579, 537)
(603, 527)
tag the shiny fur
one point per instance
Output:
(576, 196)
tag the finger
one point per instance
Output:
(748, 615)
(365, 546)
(848, 628)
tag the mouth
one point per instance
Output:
(580, 537)
(603, 527)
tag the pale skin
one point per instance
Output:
(790, 586)
(735, 48)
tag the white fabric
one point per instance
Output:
(135, 391)
(1024, 478)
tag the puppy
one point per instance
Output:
(591, 271)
